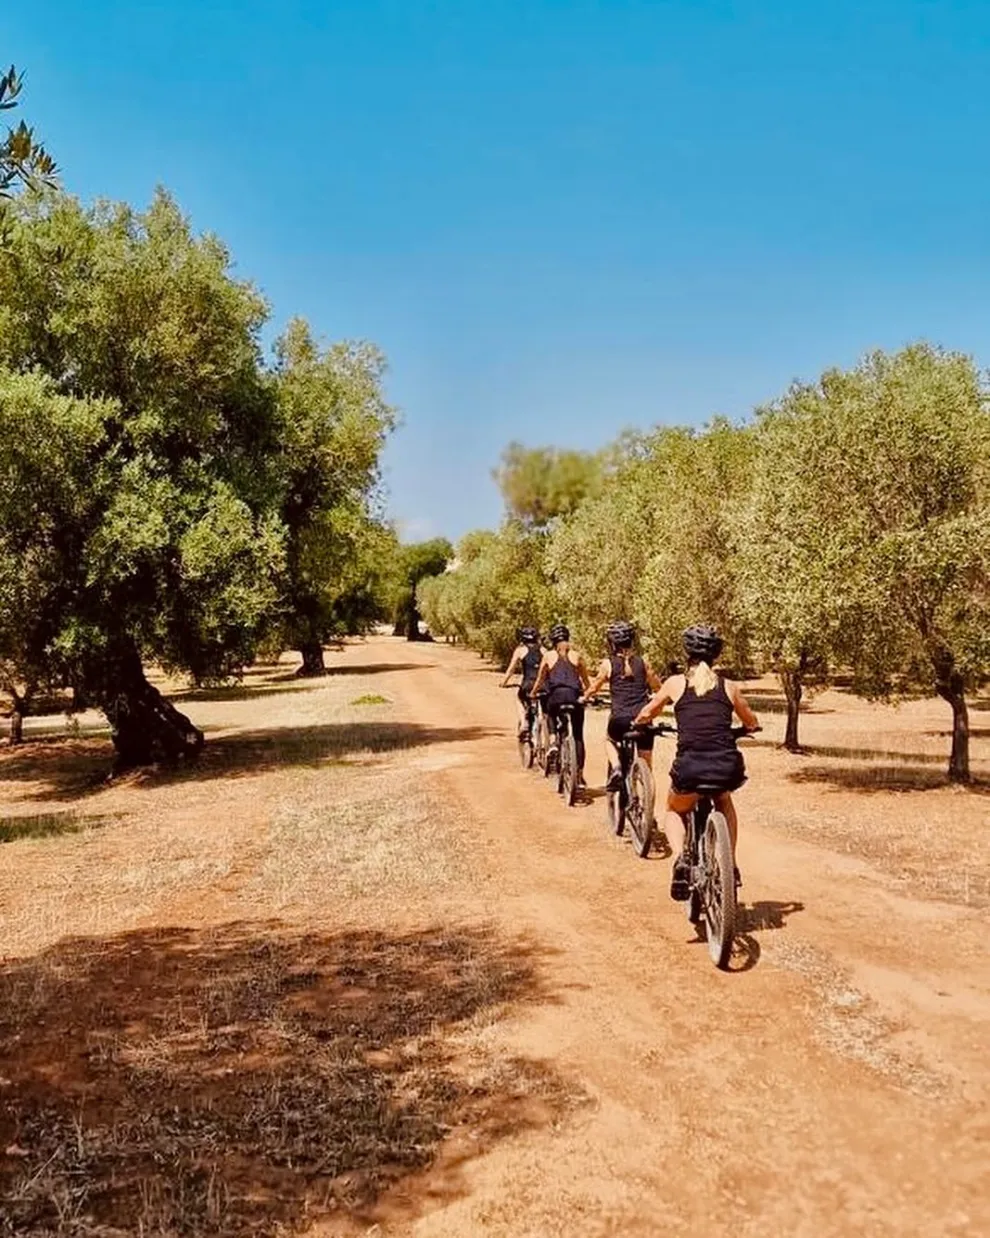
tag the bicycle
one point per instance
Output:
(707, 852)
(566, 756)
(635, 799)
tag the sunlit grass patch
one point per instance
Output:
(370, 698)
(48, 825)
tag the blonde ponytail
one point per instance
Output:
(627, 670)
(701, 678)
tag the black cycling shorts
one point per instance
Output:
(723, 771)
(525, 694)
(617, 727)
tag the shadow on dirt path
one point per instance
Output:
(72, 769)
(245, 1080)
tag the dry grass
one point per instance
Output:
(246, 1080)
(872, 783)
(848, 1023)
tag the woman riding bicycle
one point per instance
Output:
(707, 756)
(630, 680)
(526, 659)
(566, 676)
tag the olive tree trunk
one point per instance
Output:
(792, 681)
(17, 717)
(312, 659)
(146, 728)
(950, 689)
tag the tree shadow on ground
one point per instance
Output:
(71, 770)
(247, 1080)
(271, 685)
(767, 701)
(876, 754)
(874, 778)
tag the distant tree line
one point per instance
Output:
(844, 529)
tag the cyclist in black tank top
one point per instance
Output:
(707, 756)
(526, 659)
(564, 676)
(631, 679)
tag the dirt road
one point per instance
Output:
(839, 1086)
(835, 1082)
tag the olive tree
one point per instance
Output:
(875, 505)
(333, 420)
(166, 543)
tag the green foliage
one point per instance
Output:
(497, 584)
(23, 160)
(868, 531)
(136, 429)
(540, 484)
(411, 565)
(656, 545)
(333, 420)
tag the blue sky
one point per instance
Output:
(557, 218)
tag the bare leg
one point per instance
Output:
(673, 827)
(520, 716)
(725, 806)
(611, 758)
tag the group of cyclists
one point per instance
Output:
(703, 702)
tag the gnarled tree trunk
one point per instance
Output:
(312, 659)
(17, 717)
(145, 727)
(950, 688)
(792, 681)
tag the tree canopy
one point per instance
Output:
(167, 496)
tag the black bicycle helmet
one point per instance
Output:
(559, 632)
(702, 642)
(529, 635)
(620, 634)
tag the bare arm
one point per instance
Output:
(652, 678)
(667, 692)
(601, 675)
(583, 675)
(540, 677)
(741, 706)
(513, 666)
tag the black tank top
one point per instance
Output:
(629, 692)
(531, 665)
(563, 679)
(704, 723)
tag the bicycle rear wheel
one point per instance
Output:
(641, 804)
(568, 769)
(719, 897)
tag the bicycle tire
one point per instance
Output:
(642, 795)
(616, 808)
(526, 751)
(720, 893)
(569, 772)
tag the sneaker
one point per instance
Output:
(680, 880)
(614, 783)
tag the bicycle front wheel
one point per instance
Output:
(641, 807)
(719, 898)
